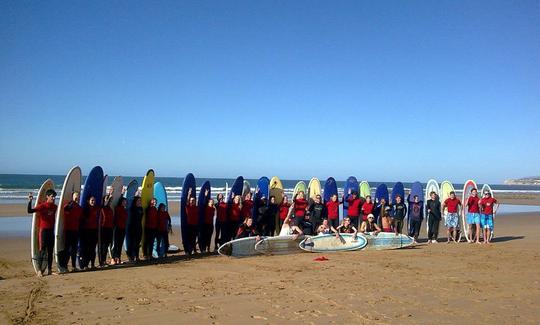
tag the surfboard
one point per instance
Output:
(131, 190)
(117, 187)
(446, 188)
(276, 190)
(236, 189)
(300, 187)
(279, 245)
(93, 186)
(381, 193)
(352, 185)
(160, 194)
(34, 242)
(100, 218)
(147, 194)
(387, 240)
(467, 187)
(330, 189)
(262, 190)
(431, 186)
(314, 189)
(189, 183)
(242, 247)
(398, 189)
(246, 189)
(329, 243)
(202, 202)
(416, 190)
(487, 188)
(72, 183)
(365, 189)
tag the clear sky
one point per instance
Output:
(384, 90)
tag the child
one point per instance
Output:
(247, 207)
(208, 226)
(221, 221)
(317, 212)
(346, 228)
(453, 206)
(488, 208)
(367, 208)
(433, 208)
(235, 215)
(72, 219)
(332, 208)
(192, 213)
(386, 220)
(399, 211)
(120, 219)
(247, 229)
(325, 228)
(415, 217)
(134, 229)
(283, 211)
(355, 203)
(46, 213)
(370, 226)
(473, 216)
(300, 207)
(163, 228)
(289, 228)
(89, 237)
(150, 229)
(107, 222)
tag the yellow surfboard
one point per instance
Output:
(147, 194)
(314, 188)
(276, 190)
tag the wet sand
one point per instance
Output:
(441, 283)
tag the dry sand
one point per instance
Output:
(441, 283)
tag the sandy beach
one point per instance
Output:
(441, 283)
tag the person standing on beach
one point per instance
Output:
(355, 203)
(192, 213)
(283, 212)
(163, 228)
(433, 208)
(488, 208)
(134, 229)
(367, 208)
(235, 216)
(119, 233)
(415, 217)
(399, 211)
(207, 227)
(46, 213)
(453, 206)
(317, 211)
(332, 209)
(300, 207)
(473, 216)
(221, 222)
(72, 220)
(150, 229)
(380, 210)
(386, 219)
(107, 223)
(247, 206)
(271, 212)
(89, 237)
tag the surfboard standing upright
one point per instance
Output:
(276, 190)
(93, 187)
(446, 188)
(131, 190)
(469, 185)
(147, 193)
(72, 183)
(487, 188)
(418, 191)
(365, 189)
(314, 189)
(432, 186)
(350, 185)
(39, 262)
(189, 184)
(202, 201)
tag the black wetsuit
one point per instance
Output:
(134, 230)
(434, 218)
(317, 212)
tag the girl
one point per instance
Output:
(221, 221)
(72, 219)
(150, 229)
(120, 218)
(332, 209)
(46, 213)
(283, 211)
(192, 213)
(89, 236)
(208, 226)
(163, 227)
(134, 229)
(107, 222)
(370, 226)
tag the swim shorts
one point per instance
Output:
(451, 220)
(473, 218)
(486, 221)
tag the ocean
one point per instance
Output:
(14, 188)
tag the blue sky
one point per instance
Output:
(384, 90)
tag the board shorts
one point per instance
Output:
(451, 220)
(473, 218)
(486, 221)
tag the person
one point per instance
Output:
(134, 229)
(488, 209)
(72, 220)
(119, 232)
(221, 222)
(150, 229)
(45, 212)
(266, 217)
(379, 211)
(283, 211)
(433, 208)
(415, 217)
(453, 206)
(346, 228)
(355, 204)
(370, 226)
(163, 229)
(325, 228)
(106, 223)
(235, 215)
(273, 210)
(300, 208)
(247, 229)
(332, 210)
(192, 213)
(207, 226)
(290, 228)
(89, 236)
(317, 211)
(473, 216)
(247, 206)
(386, 219)
(399, 211)
(306, 225)
(367, 208)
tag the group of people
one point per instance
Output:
(99, 230)
(238, 219)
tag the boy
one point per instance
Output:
(473, 216)
(399, 211)
(72, 219)
(355, 203)
(453, 206)
(433, 208)
(488, 208)
(386, 221)
(416, 215)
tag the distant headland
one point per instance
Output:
(524, 181)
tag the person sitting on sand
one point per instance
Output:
(453, 206)
(386, 220)
(325, 228)
(473, 216)
(346, 227)
(289, 228)
(46, 212)
(370, 226)
(247, 229)
(433, 208)
(488, 208)
(72, 219)
(399, 211)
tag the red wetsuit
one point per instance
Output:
(72, 216)
(236, 212)
(192, 212)
(300, 206)
(209, 215)
(333, 210)
(107, 218)
(247, 208)
(46, 213)
(120, 217)
(151, 218)
(221, 215)
(367, 208)
(284, 210)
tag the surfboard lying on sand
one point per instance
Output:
(387, 240)
(242, 247)
(331, 243)
(279, 245)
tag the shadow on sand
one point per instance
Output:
(506, 238)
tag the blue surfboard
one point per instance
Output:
(236, 188)
(93, 186)
(262, 190)
(398, 189)
(160, 195)
(350, 184)
(330, 189)
(189, 183)
(131, 189)
(202, 200)
(381, 193)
